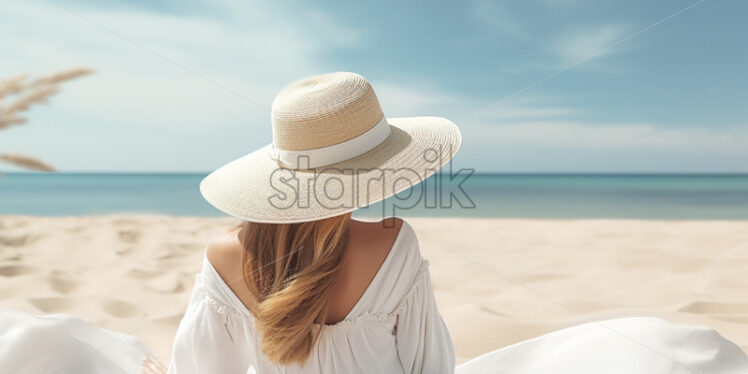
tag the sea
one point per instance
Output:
(545, 196)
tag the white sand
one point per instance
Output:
(497, 281)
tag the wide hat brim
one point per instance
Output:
(255, 188)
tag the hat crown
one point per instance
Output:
(324, 110)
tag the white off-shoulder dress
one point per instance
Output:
(395, 326)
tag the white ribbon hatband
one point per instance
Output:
(334, 153)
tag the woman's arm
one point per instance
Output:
(151, 366)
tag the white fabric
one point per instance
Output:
(62, 344)
(634, 345)
(394, 328)
(335, 153)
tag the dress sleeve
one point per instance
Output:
(423, 341)
(204, 343)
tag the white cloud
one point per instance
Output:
(569, 146)
(533, 133)
(574, 46)
(173, 105)
(252, 57)
(578, 49)
(535, 121)
(401, 99)
(616, 137)
(536, 133)
(525, 108)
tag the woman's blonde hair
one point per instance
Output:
(289, 269)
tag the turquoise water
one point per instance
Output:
(494, 195)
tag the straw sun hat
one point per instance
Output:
(333, 151)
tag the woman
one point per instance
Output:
(299, 286)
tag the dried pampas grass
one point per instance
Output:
(26, 162)
(61, 77)
(27, 94)
(22, 95)
(36, 96)
(12, 85)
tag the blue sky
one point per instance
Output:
(186, 85)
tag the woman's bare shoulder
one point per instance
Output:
(224, 253)
(224, 248)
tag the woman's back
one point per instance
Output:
(383, 317)
(367, 247)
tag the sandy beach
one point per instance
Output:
(497, 281)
